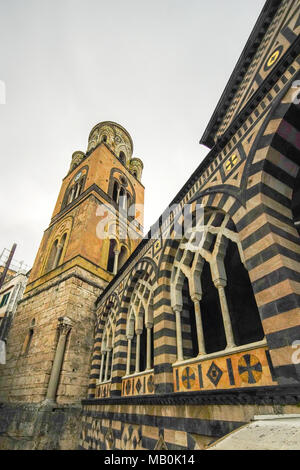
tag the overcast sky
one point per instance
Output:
(157, 67)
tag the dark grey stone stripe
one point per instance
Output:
(288, 374)
(205, 427)
(265, 230)
(273, 170)
(270, 252)
(164, 301)
(286, 148)
(256, 212)
(283, 338)
(262, 188)
(164, 316)
(165, 349)
(277, 276)
(165, 332)
(285, 304)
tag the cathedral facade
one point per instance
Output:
(174, 339)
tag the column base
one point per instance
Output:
(48, 402)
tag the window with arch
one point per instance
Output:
(106, 354)
(208, 286)
(139, 328)
(108, 314)
(75, 188)
(117, 256)
(121, 195)
(56, 252)
(121, 190)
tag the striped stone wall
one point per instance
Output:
(251, 177)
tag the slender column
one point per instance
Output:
(118, 195)
(116, 260)
(107, 364)
(220, 285)
(112, 363)
(128, 355)
(148, 362)
(102, 365)
(77, 190)
(57, 255)
(179, 335)
(64, 326)
(200, 336)
(71, 196)
(138, 351)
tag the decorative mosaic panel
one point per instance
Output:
(103, 390)
(243, 369)
(138, 385)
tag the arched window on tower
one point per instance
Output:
(121, 190)
(55, 257)
(75, 188)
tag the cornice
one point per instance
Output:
(283, 395)
(248, 53)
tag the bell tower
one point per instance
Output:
(96, 224)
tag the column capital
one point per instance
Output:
(64, 325)
(177, 308)
(220, 283)
(139, 331)
(196, 297)
(149, 325)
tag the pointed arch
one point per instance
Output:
(57, 245)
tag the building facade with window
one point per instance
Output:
(173, 340)
(11, 293)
